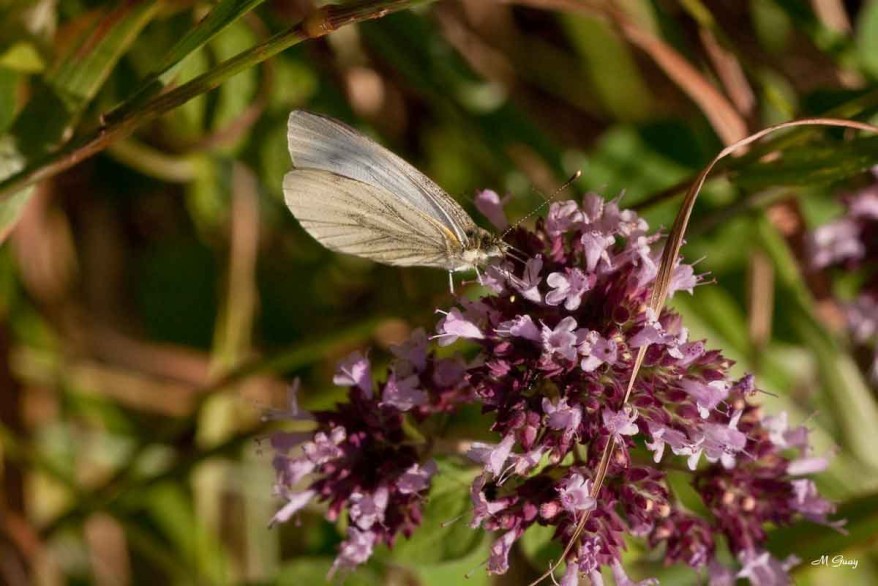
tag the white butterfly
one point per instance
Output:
(354, 196)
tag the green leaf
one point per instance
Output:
(77, 77)
(867, 38)
(445, 533)
(811, 165)
(538, 546)
(22, 57)
(59, 100)
(610, 66)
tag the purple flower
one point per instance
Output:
(764, 570)
(492, 456)
(412, 354)
(619, 423)
(325, 447)
(662, 436)
(571, 576)
(575, 493)
(568, 288)
(403, 394)
(808, 501)
(597, 351)
(417, 478)
(528, 284)
(719, 442)
(355, 550)
(483, 508)
(455, 326)
(296, 501)
(489, 204)
(562, 417)
(353, 371)
(562, 217)
(707, 395)
(596, 245)
(521, 326)
(622, 578)
(560, 340)
(836, 242)
(498, 563)
(368, 509)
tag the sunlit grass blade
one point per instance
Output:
(221, 15)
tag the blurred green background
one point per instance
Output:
(157, 298)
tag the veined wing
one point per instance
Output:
(365, 220)
(317, 142)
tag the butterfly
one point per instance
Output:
(356, 197)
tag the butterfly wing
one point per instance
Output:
(365, 220)
(317, 142)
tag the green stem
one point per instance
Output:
(123, 121)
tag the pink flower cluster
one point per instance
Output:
(556, 340)
(850, 244)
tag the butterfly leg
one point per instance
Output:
(478, 275)
(451, 282)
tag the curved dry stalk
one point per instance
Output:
(663, 281)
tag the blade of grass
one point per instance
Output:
(221, 16)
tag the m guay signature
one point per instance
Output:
(836, 561)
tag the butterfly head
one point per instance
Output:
(482, 247)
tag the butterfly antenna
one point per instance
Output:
(546, 202)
